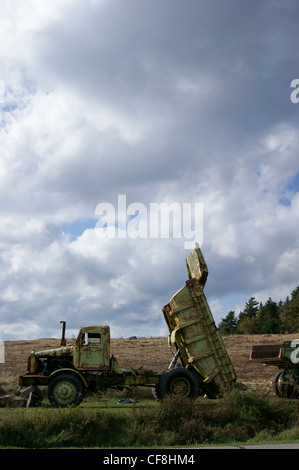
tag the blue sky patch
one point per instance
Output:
(76, 228)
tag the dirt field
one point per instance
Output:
(153, 354)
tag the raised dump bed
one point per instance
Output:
(193, 331)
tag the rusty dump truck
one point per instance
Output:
(200, 366)
(286, 357)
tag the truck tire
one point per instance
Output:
(65, 389)
(284, 390)
(177, 382)
(278, 390)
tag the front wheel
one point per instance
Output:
(65, 390)
(178, 382)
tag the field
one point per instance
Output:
(153, 354)
(251, 414)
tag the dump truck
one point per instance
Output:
(286, 357)
(200, 364)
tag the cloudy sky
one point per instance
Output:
(160, 101)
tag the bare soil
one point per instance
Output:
(153, 354)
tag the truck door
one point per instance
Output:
(92, 349)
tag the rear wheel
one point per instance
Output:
(65, 390)
(178, 382)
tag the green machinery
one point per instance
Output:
(286, 357)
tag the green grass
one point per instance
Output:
(241, 417)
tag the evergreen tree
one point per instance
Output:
(228, 325)
(268, 318)
(250, 310)
(295, 293)
(289, 313)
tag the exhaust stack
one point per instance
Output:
(63, 340)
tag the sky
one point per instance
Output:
(143, 103)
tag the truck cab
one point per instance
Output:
(91, 352)
(92, 348)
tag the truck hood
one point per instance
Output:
(62, 351)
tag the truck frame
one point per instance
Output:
(200, 365)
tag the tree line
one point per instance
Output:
(271, 318)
